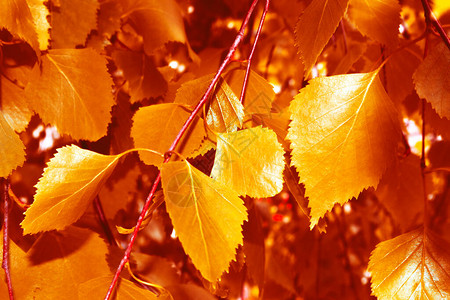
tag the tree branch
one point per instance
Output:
(433, 21)
(5, 261)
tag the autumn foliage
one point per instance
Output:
(157, 149)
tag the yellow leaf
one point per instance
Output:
(56, 265)
(12, 154)
(250, 162)
(157, 21)
(140, 71)
(343, 134)
(72, 22)
(70, 182)
(259, 95)
(432, 80)
(39, 12)
(378, 19)
(315, 27)
(156, 126)
(73, 92)
(206, 215)
(414, 265)
(226, 112)
(14, 102)
(126, 290)
(16, 17)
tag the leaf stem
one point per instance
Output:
(183, 129)
(5, 261)
(434, 22)
(249, 61)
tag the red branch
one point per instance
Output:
(434, 22)
(183, 129)
(5, 262)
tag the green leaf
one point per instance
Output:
(206, 215)
(250, 161)
(70, 182)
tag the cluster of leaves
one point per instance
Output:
(254, 197)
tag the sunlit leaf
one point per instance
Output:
(73, 92)
(12, 152)
(259, 94)
(157, 21)
(70, 182)
(16, 17)
(96, 289)
(432, 79)
(250, 161)
(378, 19)
(156, 126)
(413, 265)
(56, 265)
(344, 133)
(140, 71)
(40, 12)
(72, 22)
(315, 27)
(207, 217)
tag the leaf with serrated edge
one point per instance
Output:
(70, 182)
(250, 161)
(12, 152)
(206, 215)
(414, 265)
(126, 290)
(343, 134)
(432, 80)
(316, 26)
(16, 17)
(378, 19)
(156, 126)
(73, 92)
(72, 22)
(56, 265)
(40, 12)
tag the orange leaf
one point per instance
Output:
(414, 265)
(11, 148)
(344, 133)
(378, 19)
(315, 27)
(156, 126)
(73, 92)
(16, 17)
(72, 22)
(432, 80)
(140, 71)
(39, 12)
(56, 265)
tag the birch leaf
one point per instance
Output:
(378, 19)
(40, 12)
(12, 154)
(73, 92)
(16, 17)
(343, 134)
(250, 162)
(316, 26)
(206, 215)
(70, 182)
(156, 126)
(432, 80)
(413, 265)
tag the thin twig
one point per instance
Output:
(435, 22)
(5, 262)
(258, 32)
(203, 100)
(103, 222)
